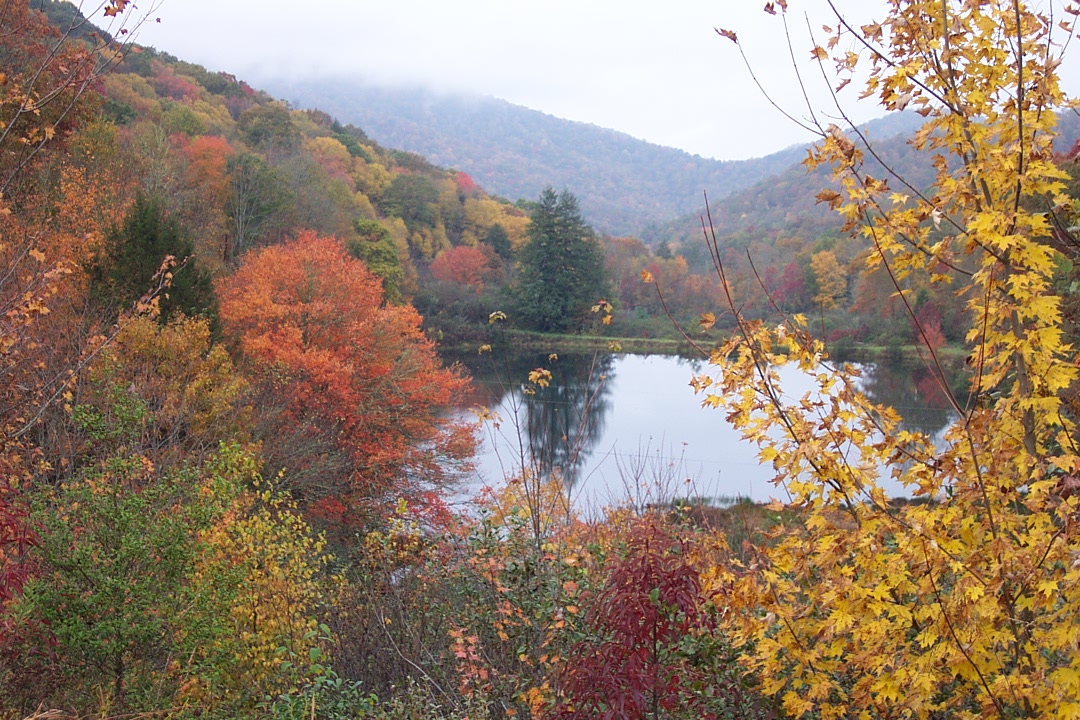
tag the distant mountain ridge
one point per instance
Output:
(624, 185)
(787, 201)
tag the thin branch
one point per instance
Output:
(765, 93)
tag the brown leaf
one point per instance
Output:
(831, 197)
(729, 34)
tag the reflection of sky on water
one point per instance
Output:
(654, 431)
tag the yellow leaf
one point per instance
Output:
(540, 376)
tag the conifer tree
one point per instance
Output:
(562, 266)
(133, 255)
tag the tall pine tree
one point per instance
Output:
(562, 266)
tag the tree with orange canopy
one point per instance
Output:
(353, 393)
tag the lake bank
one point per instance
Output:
(525, 340)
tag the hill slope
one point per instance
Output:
(624, 184)
(785, 203)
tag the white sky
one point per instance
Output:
(655, 70)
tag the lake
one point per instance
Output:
(618, 426)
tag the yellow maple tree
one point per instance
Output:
(961, 601)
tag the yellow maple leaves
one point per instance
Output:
(961, 603)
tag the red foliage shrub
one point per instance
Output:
(632, 666)
(471, 266)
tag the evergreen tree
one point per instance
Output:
(562, 266)
(135, 251)
(499, 241)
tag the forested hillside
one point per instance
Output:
(232, 459)
(786, 202)
(624, 184)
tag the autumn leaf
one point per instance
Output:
(115, 7)
(540, 377)
(831, 197)
(729, 34)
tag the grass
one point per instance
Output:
(552, 342)
(878, 353)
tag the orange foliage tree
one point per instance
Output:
(44, 73)
(470, 266)
(45, 77)
(207, 187)
(353, 392)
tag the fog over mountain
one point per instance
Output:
(625, 185)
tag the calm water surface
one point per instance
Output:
(614, 426)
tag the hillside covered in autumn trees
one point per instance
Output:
(228, 450)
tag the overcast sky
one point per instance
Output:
(655, 70)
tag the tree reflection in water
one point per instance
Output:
(588, 428)
(555, 429)
(915, 392)
(566, 419)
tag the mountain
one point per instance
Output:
(785, 204)
(624, 185)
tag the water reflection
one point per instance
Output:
(607, 420)
(915, 392)
(567, 418)
(562, 422)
